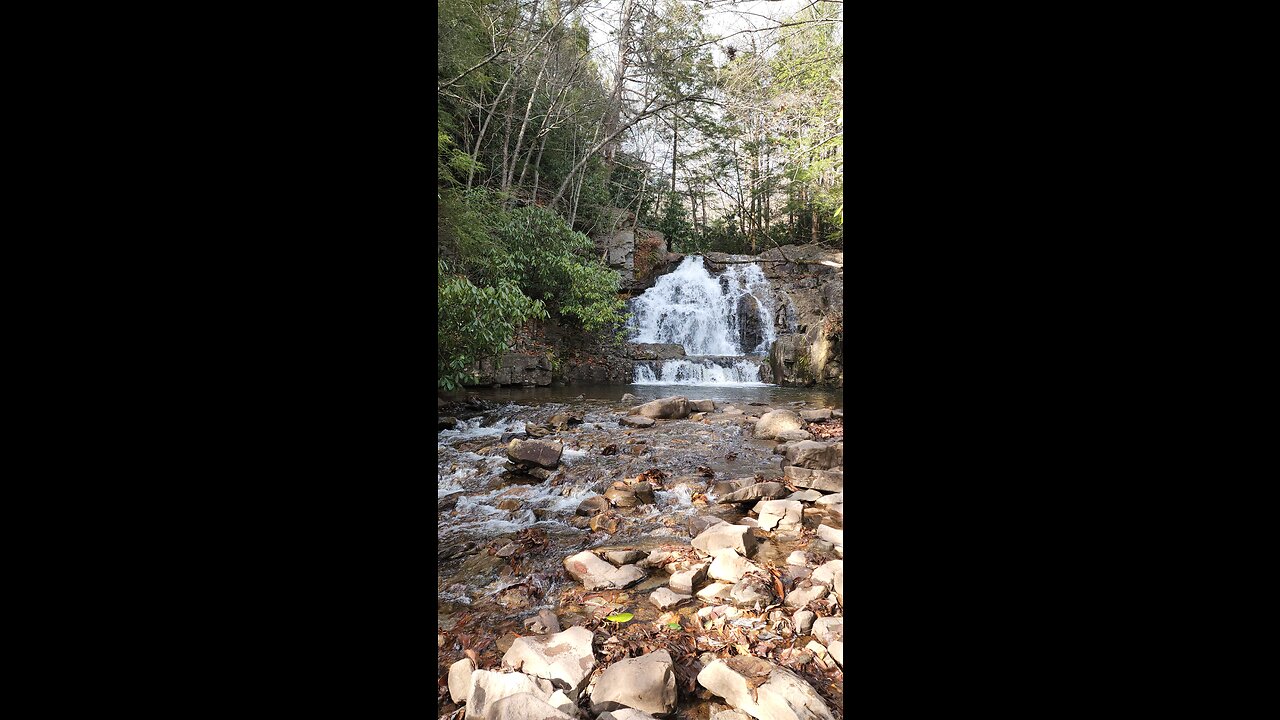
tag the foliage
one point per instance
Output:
(475, 322)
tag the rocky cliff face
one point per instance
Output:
(640, 255)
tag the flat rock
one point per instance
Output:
(564, 658)
(737, 537)
(663, 598)
(749, 592)
(806, 495)
(729, 566)
(783, 696)
(816, 415)
(836, 499)
(768, 490)
(523, 706)
(831, 535)
(780, 514)
(638, 421)
(646, 683)
(684, 582)
(772, 423)
(460, 679)
(794, 435)
(625, 557)
(715, 591)
(489, 687)
(542, 453)
(670, 408)
(699, 524)
(829, 629)
(805, 592)
(596, 574)
(825, 480)
(702, 405)
(812, 454)
(797, 558)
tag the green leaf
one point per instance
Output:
(620, 617)
(674, 626)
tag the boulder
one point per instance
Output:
(592, 506)
(780, 514)
(644, 493)
(446, 422)
(625, 557)
(596, 574)
(725, 487)
(782, 696)
(621, 496)
(837, 651)
(542, 453)
(563, 703)
(794, 435)
(646, 683)
(836, 499)
(755, 492)
(684, 582)
(701, 405)
(715, 591)
(699, 524)
(737, 537)
(669, 408)
(729, 566)
(523, 706)
(831, 535)
(565, 658)
(825, 480)
(806, 495)
(812, 454)
(562, 421)
(460, 679)
(816, 415)
(772, 423)
(535, 430)
(663, 598)
(805, 592)
(749, 592)
(637, 421)
(489, 687)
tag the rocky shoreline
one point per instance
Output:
(743, 619)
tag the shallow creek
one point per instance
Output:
(502, 544)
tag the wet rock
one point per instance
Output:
(539, 473)
(803, 620)
(826, 480)
(535, 430)
(698, 524)
(663, 598)
(783, 696)
(637, 421)
(628, 397)
(797, 558)
(686, 581)
(805, 592)
(524, 706)
(604, 523)
(460, 679)
(593, 505)
(669, 408)
(780, 514)
(646, 683)
(794, 435)
(755, 492)
(564, 658)
(829, 629)
(621, 496)
(489, 687)
(812, 454)
(837, 413)
(781, 448)
(816, 415)
(702, 405)
(446, 422)
(772, 423)
(749, 593)
(715, 591)
(726, 487)
(596, 574)
(737, 537)
(821, 547)
(643, 492)
(450, 501)
(562, 421)
(836, 499)
(624, 557)
(805, 495)
(729, 566)
(543, 623)
(543, 453)
(831, 535)
(582, 523)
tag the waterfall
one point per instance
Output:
(730, 315)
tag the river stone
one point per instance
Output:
(621, 496)
(637, 421)
(624, 557)
(805, 592)
(684, 582)
(772, 423)
(562, 421)
(625, 714)
(812, 454)
(826, 480)
(542, 453)
(831, 535)
(543, 623)
(780, 514)
(628, 397)
(663, 598)
(755, 492)
(646, 683)
(829, 629)
(564, 658)
(797, 558)
(784, 696)
(596, 574)
(699, 524)
(446, 422)
(715, 591)
(604, 523)
(796, 435)
(489, 687)
(535, 430)
(592, 506)
(816, 415)
(644, 493)
(523, 706)
(726, 487)
(803, 620)
(730, 714)
(820, 654)
(738, 537)
(460, 679)
(670, 408)
(748, 592)
(806, 495)
(836, 499)
(702, 405)
(837, 651)
(729, 566)
(563, 703)
(826, 572)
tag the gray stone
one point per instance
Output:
(749, 592)
(685, 582)
(829, 629)
(663, 598)
(702, 405)
(825, 480)
(784, 696)
(628, 397)
(625, 557)
(836, 499)
(699, 524)
(625, 714)
(805, 592)
(803, 620)
(563, 703)
(729, 566)
(826, 573)
(837, 651)
(637, 421)
(726, 487)
(831, 535)
(543, 623)
(671, 408)
(812, 454)
(646, 683)
(460, 679)
(805, 495)
(715, 591)
(780, 514)
(772, 423)
(565, 658)
(837, 413)
(816, 415)
(541, 453)
(738, 537)
(797, 558)
(489, 687)
(596, 574)
(755, 492)
(794, 435)
(523, 706)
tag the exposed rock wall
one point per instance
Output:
(640, 255)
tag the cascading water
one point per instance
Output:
(708, 316)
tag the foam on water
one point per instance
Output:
(743, 373)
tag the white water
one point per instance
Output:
(701, 313)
